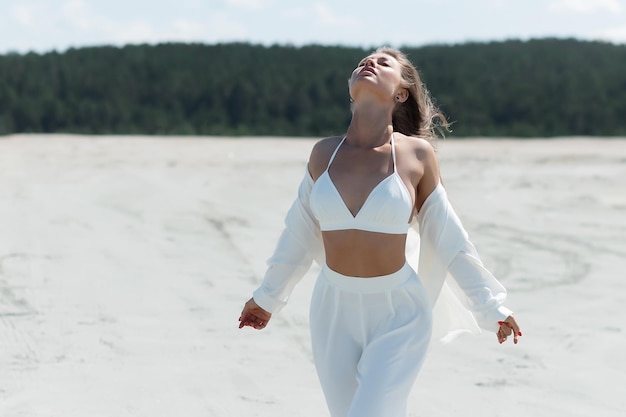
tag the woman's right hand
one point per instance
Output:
(254, 316)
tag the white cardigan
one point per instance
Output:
(464, 295)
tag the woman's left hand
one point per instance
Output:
(507, 327)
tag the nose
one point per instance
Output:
(369, 62)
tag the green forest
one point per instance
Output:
(535, 88)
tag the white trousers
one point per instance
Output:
(369, 339)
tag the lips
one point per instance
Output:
(368, 70)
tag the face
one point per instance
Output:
(378, 73)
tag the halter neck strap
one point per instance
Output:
(330, 161)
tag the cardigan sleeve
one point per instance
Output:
(464, 295)
(299, 244)
(485, 295)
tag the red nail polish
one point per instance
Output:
(519, 333)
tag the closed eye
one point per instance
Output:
(381, 61)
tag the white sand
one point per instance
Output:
(124, 264)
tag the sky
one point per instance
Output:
(45, 25)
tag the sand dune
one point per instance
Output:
(125, 261)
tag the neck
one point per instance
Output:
(371, 126)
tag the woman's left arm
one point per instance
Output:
(446, 246)
(485, 293)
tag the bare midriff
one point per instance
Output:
(362, 254)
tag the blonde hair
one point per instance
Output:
(418, 115)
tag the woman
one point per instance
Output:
(371, 314)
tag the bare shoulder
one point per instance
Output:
(320, 155)
(427, 165)
(421, 148)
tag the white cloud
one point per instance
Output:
(76, 13)
(133, 32)
(106, 29)
(224, 28)
(249, 5)
(615, 34)
(327, 17)
(44, 24)
(182, 29)
(22, 14)
(586, 6)
(319, 14)
(218, 28)
(293, 13)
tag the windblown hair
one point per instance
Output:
(418, 115)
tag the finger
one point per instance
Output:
(504, 329)
(247, 320)
(510, 328)
(501, 336)
(512, 324)
(251, 323)
(516, 334)
(516, 329)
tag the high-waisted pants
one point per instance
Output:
(369, 339)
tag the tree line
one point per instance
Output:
(535, 88)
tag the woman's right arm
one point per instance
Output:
(299, 244)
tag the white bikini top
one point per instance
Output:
(387, 209)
